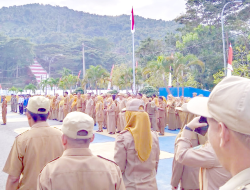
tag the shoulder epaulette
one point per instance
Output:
(22, 133)
(124, 131)
(106, 159)
(53, 160)
(49, 162)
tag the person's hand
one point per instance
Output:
(195, 123)
(173, 188)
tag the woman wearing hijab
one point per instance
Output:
(99, 112)
(111, 116)
(74, 104)
(137, 149)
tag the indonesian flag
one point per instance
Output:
(132, 21)
(230, 57)
(79, 74)
(112, 71)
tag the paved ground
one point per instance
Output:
(103, 145)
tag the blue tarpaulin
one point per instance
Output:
(188, 92)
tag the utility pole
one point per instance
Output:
(83, 66)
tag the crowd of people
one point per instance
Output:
(108, 112)
(48, 158)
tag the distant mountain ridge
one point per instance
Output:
(53, 24)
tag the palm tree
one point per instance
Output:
(44, 84)
(181, 65)
(65, 72)
(13, 89)
(53, 82)
(71, 81)
(122, 76)
(31, 87)
(159, 68)
(96, 75)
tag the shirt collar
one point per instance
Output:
(40, 124)
(77, 152)
(238, 180)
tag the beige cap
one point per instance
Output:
(134, 105)
(39, 105)
(78, 121)
(228, 103)
(182, 108)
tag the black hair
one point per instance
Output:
(154, 95)
(140, 94)
(161, 97)
(66, 92)
(38, 117)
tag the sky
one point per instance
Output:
(155, 9)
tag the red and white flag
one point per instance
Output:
(79, 74)
(230, 57)
(230, 61)
(132, 21)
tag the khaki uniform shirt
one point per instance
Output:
(240, 181)
(136, 175)
(4, 106)
(31, 151)
(187, 176)
(89, 106)
(79, 103)
(162, 111)
(79, 169)
(66, 102)
(122, 104)
(212, 174)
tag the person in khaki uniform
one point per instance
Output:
(4, 110)
(111, 116)
(212, 174)
(137, 149)
(74, 104)
(66, 104)
(79, 102)
(151, 109)
(60, 109)
(78, 168)
(227, 111)
(162, 115)
(186, 176)
(99, 113)
(89, 105)
(15, 103)
(122, 105)
(33, 149)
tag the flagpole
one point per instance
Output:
(133, 63)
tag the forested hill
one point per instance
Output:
(49, 24)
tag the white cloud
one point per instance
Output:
(155, 9)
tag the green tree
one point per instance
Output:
(13, 89)
(53, 82)
(158, 69)
(96, 75)
(31, 87)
